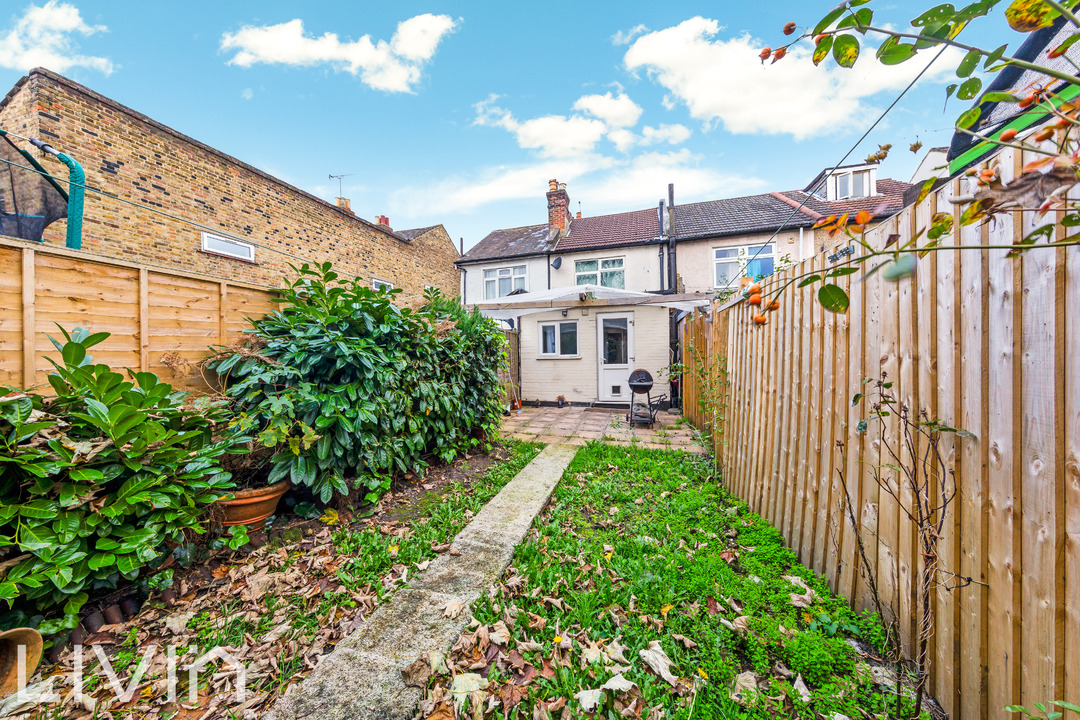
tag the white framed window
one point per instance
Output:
(609, 272)
(729, 263)
(853, 185)
(377, 284)
(559, 339)
(220, 245)
(500, 282)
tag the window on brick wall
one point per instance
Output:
(220, 245)
(377, 284)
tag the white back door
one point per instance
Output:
(615, 351)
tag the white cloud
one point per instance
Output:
(247, 94)
(623, 37)
(617, 111)
(45, 36)
(604, 185)
(724, 81)
(393, 66)
(612, 117)
(551, 135)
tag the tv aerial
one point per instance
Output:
(339, 186)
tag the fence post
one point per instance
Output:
(144, 320)
(29, 329)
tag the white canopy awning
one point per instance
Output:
(565, 298)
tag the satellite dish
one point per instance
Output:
(557, 263)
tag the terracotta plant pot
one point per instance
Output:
(9, 657)
(252, 507)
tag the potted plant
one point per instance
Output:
(255, 497)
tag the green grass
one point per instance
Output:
(658, 566)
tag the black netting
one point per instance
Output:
(29, 202)
(1019, 80)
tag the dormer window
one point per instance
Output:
(846, 183)
(853, 185)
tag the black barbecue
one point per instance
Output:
(644, 413)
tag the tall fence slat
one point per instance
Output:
(979, 341)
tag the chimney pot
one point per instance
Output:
(343, 203)
(578, 217)
(553, 185)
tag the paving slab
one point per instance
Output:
(361, 678)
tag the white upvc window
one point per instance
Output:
(500, 282)
(377, 284)
(853, 185)
(559, 339)
(730, 263)
(220, 245)
(608, 272)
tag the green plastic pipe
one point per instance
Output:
(76, 183)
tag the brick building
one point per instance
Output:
(254, 224)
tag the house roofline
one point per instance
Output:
(97, 97)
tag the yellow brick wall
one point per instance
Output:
(135, 158)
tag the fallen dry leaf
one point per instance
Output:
(417, 673)
(453, 609)
(745, 690)
(659, 662)
(801, 689)
(687, 642)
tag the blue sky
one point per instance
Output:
(459, 113)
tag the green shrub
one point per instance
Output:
(817, 658)
(349, 389)
(98, 481)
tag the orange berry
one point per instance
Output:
(760, 319)
(774, 305)
(1062, 122)
(779, 54)
(764, 55)
(755, 299)
(819, 38)
(1008, 135)
(1027, 101)
(790, 28)
(754, 289)
(1044, 135)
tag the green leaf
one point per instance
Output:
(969, 89)
(935, 16)
(895, 53)
(833, 298)
(842, 271)
(809, 280)
(822, 50)
(994, 56)
(969, 118)
(969, 63)
(845, 50)
(998, 97)
(85, 474)
(829, 19)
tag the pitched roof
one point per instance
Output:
(628, 228)
(415, 232)
(889, 200)
(737, 216)
(510, 242)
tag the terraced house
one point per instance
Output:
(644, 267)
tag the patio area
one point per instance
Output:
(579, 425)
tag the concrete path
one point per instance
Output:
(361, 679)
(577, 426)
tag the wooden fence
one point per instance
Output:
(161, 320)
(981, 341)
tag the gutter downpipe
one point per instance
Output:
(76, 192)
(672, 255)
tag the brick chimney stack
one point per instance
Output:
(343, 203)
(558, 205)
(383, 220)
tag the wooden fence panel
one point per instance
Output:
(159, 320)
(980, 341)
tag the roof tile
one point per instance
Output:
(628, 228)
(510, 242)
